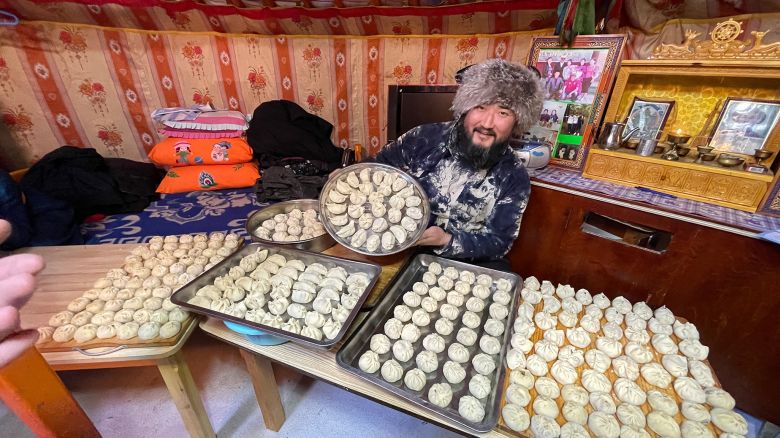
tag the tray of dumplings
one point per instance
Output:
(374, 209)
(587, 365)
(307, 297)
(131, 306)
(438, 338)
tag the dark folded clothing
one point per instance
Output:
(282, 184)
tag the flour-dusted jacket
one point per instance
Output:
(480, 208)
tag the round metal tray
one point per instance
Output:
(315, 244)
(326, 216)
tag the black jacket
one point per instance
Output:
(280, 129)
(91, 184)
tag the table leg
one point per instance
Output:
(178, 379)
(34, 392)
(266, 391)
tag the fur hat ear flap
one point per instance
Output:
(496, 81)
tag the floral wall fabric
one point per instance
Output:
(487, 17)
(96, 86)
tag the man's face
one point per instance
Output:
(487, 125)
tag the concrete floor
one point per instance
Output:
(134, 402)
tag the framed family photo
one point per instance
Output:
(577, 81)
(649, 116)
(745, 125)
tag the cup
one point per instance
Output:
(646, 147)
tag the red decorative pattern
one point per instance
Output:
(19, 123)
(194, 56)
(315, 101)
(74, 42)
(467, 48)
(402, 73)
(5, 77)
(95, 94)
(258, 81)
(111, 138)
(202, 96)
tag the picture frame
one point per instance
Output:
(745, 125)
(577, 81)
(649, 115)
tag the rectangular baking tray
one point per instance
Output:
(349, 355)
(372, 270)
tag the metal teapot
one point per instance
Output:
(612, 137)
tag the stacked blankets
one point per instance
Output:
(204, 150)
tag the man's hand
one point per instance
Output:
(17, 283)
(434, 236)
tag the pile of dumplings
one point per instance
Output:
(614, 369)
(309, 300)
(374, 211)
(294, 226)
(134, 300)
(444, 340)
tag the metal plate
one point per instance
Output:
(315, 244)
(372, 270)
(326, 216)
(359, 342)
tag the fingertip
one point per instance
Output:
(5, 230)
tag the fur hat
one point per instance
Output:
(513, 86)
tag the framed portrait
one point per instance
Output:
(577, 81)
(745, 125)
(649, 116)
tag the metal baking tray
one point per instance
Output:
(325, 215)
(183, 295)
(359, 342)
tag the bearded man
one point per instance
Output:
(477, 187)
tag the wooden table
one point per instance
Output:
(320, 363)
(71, 270)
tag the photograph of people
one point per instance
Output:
(574, 119)
(562, 152)
(553, 86)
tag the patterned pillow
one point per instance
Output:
(197, 133)
(213, 177)
(192, 151)
(207, 121)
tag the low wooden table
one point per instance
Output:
(71, 270)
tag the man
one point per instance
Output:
(477, 187)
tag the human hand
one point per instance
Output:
(434, 236)
(17, 283)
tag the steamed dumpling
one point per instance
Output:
(372, 242)
(388, 240)
(399, 233)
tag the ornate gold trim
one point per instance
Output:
(723, 44)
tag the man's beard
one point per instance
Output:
(481, 157)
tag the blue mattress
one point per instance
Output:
(178, 213)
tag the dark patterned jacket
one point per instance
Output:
(481, 209)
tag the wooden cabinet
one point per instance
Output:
(729, 188)
(726, 283)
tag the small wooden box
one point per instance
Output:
(697, 89)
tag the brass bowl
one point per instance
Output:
(730, 160)
(661, 147)
(631, 143)
(683, 151)
(762, 154)
(704, 149)
(709, 156)
(678, 138)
